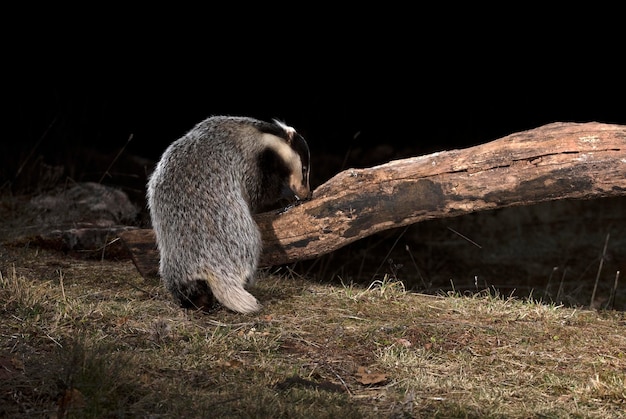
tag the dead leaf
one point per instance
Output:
(17, 364)
(366, 377)
(121, 321)
(254, 332)
(9, 367)
(71, 398)
(232, 363)
(404, 342)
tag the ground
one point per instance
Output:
(517, 312)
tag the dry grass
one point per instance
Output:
(93, 339)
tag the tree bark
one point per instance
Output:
(555, 161)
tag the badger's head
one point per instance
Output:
(285, 163)
(298, 159)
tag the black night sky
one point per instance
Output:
(422, 112)
(406, 88)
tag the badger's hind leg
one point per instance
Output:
(229, 259)
(196, 295)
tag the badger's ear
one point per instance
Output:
(290, 131)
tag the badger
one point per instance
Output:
(201, 197)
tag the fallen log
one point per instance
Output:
(555, 161)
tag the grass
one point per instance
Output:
(85, 338)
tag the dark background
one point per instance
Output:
(414, 110)
(417, 81)
(411, 80)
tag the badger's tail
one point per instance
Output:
(233, 295)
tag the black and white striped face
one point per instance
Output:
(293, 151)
(301, 147)
(299, 179)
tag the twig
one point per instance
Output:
(106, 172)
(148, 293)
(465, 237)
(406, 247)
(32, 151)
(237, 325)
(547, 288)
(560, 291)
(101, 248)
(106, 238)
(610, 304)
(338, 377)
(595, 286)
(390, 250)
(54, 340)
(62, 287)
(345, 158)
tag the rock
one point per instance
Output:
(86, 217)
(84, 203)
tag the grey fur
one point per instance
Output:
(201, 198)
